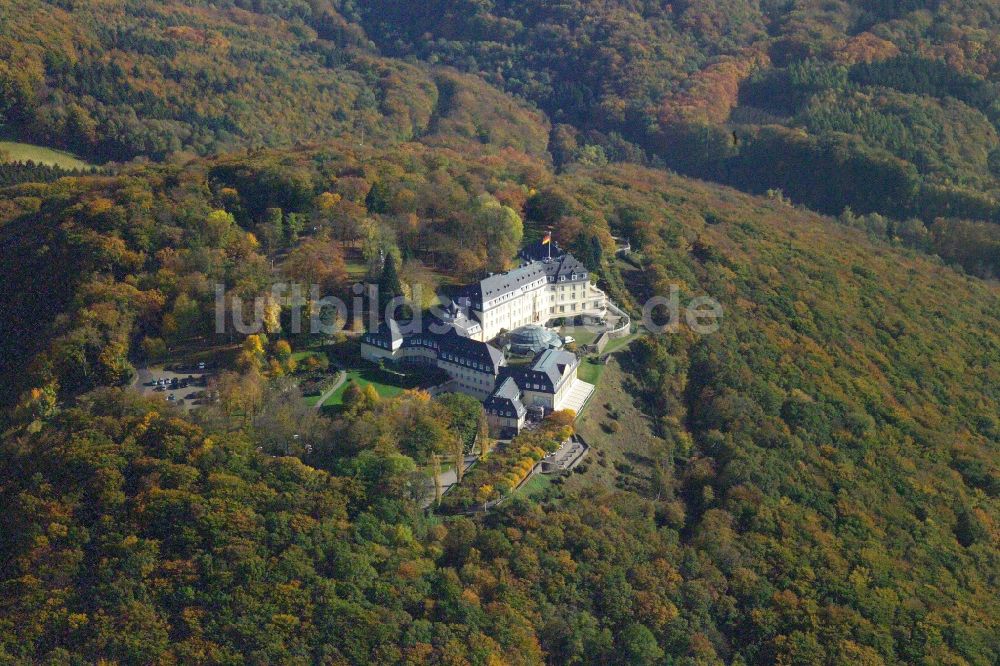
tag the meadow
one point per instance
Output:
(16, 151)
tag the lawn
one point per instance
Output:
(590, 372)
(582, 334)
(618, 344)
(300, 356)
(387, 384)
(536, 486)
(619, 454)
(15, 151)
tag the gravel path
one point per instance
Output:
(336, 385)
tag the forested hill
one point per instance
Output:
(816, 483)
(113, 81)
(887, 107)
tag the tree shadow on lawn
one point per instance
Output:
(382, 379)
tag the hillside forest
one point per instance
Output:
(816, 483)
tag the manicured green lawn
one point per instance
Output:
(619, 343)
(16, 151)
(535, 488)
(581, 334)
(590, 372)
(387, 384)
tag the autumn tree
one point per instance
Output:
(317, 261)
(502, 230)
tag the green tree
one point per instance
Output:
(502, 231)
(389, 286)
(639, 646)
(377, 199)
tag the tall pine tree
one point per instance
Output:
(389, 286)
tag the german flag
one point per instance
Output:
(547, 238)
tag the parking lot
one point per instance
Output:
(566, 457)
(183, 385)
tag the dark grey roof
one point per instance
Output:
(453, 316)
(554, 359)
(464, 348)
(565, 266)
(568, 264)
(463, 327)
(502, 283)
(539, 250)
(507, 396)
(553, 362)
(508, 389)
(546, 370)
(387, 332)
(393, 327)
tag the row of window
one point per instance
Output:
(506, 297)
(469, 387)
(461, 360)
(477, 380)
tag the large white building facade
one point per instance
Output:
(540, 290)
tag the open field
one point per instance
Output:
(590, 371)
(15, 151)
(620, 452)
(537, 486)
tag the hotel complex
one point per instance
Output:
(540, 290)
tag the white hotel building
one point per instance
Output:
(542, 289)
